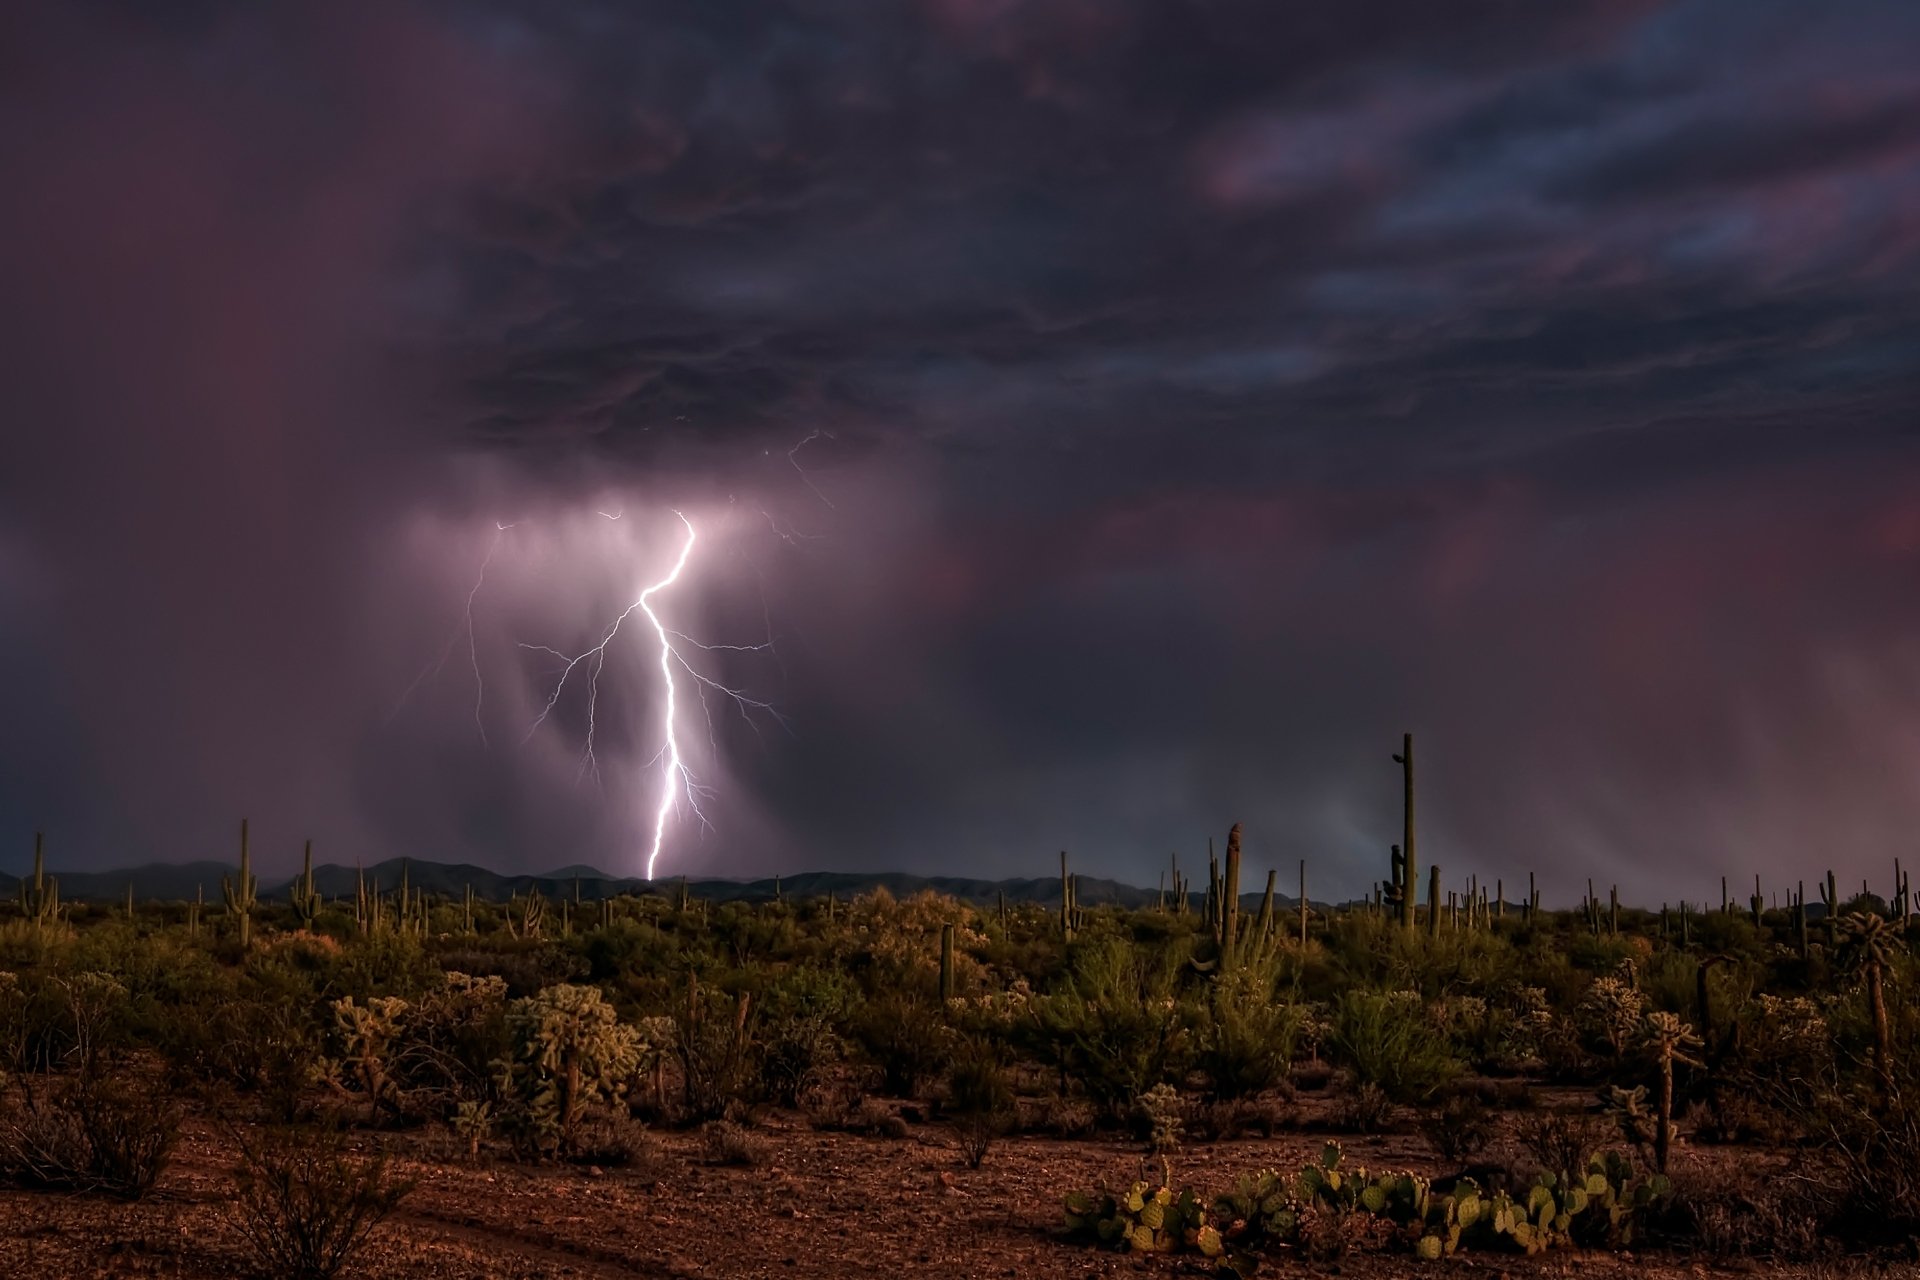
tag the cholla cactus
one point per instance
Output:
(569, 1049)
(1612, 1009)
(1160, 1107)
(1669, 1040)
(1867, 947)
(367, 1032)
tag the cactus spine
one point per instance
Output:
(239, 891)
(1409, 866)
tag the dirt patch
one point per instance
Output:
(821, 1206)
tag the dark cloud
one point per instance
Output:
(1195, 394)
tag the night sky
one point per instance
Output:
(1124, 418)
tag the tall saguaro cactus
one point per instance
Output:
(1230, 900)
(1409, 865)
(1066, 899)
(1433, 902)
(40, 896)
(239, 891)
(306, 898)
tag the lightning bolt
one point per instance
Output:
(678, 781)
(676, 778)
(434, 668)
(804, 477)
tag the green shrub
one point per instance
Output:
(1117, 1026)
(1385, 1040)
(1243, 1038)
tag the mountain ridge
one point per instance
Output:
(178, 882)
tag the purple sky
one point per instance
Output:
(1194, 395)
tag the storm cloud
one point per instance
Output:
(1121, 418)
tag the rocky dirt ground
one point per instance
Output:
(818, 1206)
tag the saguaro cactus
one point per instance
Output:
(1433, 902)
(1304, 909)
(1230, 899)
(306, 899)
(946, 963)
(40, 896)
(239, 891)
(1409, 865)
(1066, 899)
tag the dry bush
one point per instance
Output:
(1063, 1117)
(727, 1143)
(305, 1206)
(1459, 1129)
(1365, 1108)
(94, 1134)
(1224, 1121)
(1762, 1216)
(616, 1142)
(876, 1119)
(980, 1100)
(1563, 1140)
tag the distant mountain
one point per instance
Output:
(178, 882)
(164, 881)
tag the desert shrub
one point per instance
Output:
(795, 1050)
(1459, 1128)
(385, 964)
(246, 1042)
(526, 967)
(1116, 1027)
(1383, 1039)
(569, 1050)
(1225, 1120)
(905, 1039)
(1064, 1117)
(32, 1015)
(1755, 1216)
(1871, 1158)
(979, 1100)
(1364, 1108)
(725, 1142)
(305, 1206)
(97, 1133)
(616, 1141)
(713, 1042)
(874, 1118)
(1243, 1038)
(1561, 1141)
(450, 1044)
